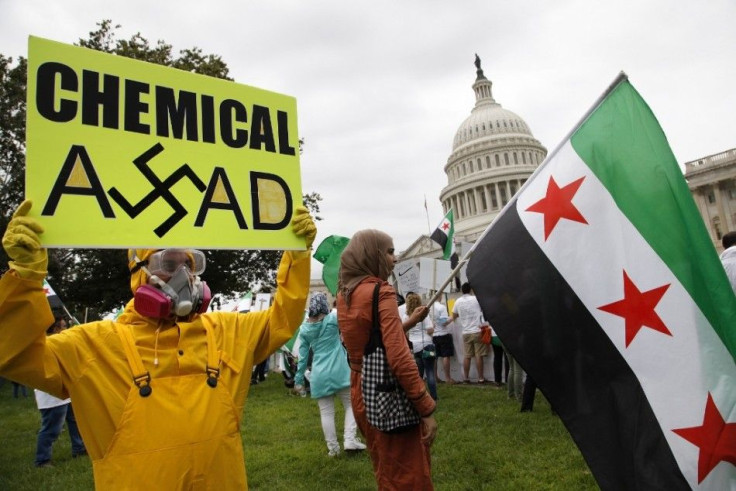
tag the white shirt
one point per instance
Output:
(469, 313)
(439, 317)
(728, 259)
(418, 334)
(402, 311)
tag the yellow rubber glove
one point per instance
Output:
(23, 246)
(302, 224)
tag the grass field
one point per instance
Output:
(483, 443)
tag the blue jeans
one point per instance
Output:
(52, 421)
(426, 366)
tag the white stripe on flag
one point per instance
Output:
(676, 372)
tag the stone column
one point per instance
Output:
(498, 196)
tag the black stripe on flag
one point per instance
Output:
(559, 344)
(440, 237)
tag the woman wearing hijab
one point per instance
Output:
(330, 373)
(400, 460)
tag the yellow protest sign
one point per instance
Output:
(123, 153)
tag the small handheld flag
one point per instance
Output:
(443, 235)
(328, 253)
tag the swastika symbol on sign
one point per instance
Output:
(161, 189)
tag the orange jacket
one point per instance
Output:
(355, 324)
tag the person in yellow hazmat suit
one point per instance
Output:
(159, 392)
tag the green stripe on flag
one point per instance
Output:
(626, 148)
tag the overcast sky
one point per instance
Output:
(382, 86)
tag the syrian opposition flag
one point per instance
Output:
(601, 280)
(54, 300)
(443, 235)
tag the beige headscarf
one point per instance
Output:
(364, 256)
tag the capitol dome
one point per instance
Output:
(493, 154)
(489, 120)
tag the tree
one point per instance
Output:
(96, 281)
(12, 138)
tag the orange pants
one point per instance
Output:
(400, 460)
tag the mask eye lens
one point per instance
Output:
(169, 261)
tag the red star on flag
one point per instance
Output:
(637, 308)
(445, 226)
(715, 438)
(557, 204)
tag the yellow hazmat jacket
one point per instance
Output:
(166, 436)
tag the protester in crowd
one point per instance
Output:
(158, 392)
(330, 374)
(527, 398)
(400, 460)
(499, 362)
(515, 379)
(401, 301)
(468, 313)
(19, 389)
(259, 372)
(442, 339)
(421, 311)
(54, 412)
(728, 257)
(420, 337)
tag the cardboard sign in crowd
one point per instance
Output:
(122, 153)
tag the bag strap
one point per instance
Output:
(376, 323)
(374, 340)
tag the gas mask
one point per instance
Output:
(182, 294)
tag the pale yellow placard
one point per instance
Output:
(122, 153)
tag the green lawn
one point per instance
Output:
(483, 443)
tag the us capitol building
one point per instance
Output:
(493, 154)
